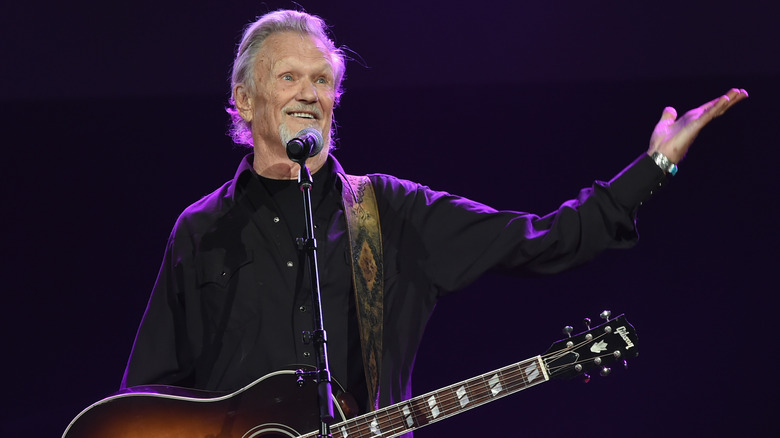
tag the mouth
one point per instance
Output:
(303, 115)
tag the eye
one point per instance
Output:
(287, 77)
(322, 80)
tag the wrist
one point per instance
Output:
(664, 163)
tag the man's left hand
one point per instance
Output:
(672, 136)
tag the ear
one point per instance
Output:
(244, 102)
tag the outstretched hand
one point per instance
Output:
(672, 136)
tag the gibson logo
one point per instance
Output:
(623, 332)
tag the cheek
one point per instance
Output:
(329, 97)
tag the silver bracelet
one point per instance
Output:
(664, 163)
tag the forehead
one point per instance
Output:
(291, 48)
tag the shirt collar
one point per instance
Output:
(246, 172)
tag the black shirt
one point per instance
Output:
(230, 250)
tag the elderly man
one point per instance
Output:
(233, 295)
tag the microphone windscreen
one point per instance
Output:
(308, 142)
(314, 137)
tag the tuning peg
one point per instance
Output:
(567, 330)
(605, 371)
(586, 321)
(605, 315)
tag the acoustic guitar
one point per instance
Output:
(283, 405)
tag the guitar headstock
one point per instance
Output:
(613, 341)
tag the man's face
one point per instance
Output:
(294, 89)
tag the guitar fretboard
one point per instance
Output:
(435, 406)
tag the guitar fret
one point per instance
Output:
(446, 403)
(380, 424)
(393, 424)
(373, 427)
(463, 396)
(494, 382)
(477, 391)
(513, 379)
(433, 407)
(419, 410)
(516, 377)
(408, 417)
(363, 429)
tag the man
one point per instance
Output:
(232, 296)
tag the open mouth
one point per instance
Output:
(303, 115)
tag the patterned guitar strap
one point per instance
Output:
(365, 242)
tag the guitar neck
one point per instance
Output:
(437, 405)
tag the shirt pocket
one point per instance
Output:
(217, 275)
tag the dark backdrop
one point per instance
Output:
(113, 122)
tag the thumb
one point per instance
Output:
(668, 114)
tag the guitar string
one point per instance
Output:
(448, 402)
(389, 424)
(512, 377)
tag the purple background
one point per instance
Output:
(112, 120)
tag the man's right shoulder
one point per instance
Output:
(201, 215)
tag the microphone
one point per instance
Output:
(307, 143)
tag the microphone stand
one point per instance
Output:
(318, 336)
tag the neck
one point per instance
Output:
(278, 166)
(278, 170)
(285, 169)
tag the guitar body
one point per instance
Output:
(271, 407)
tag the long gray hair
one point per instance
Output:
(252, 41)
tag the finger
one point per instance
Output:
(705, 113)
(719, 106)
(669, 113)
(737, 94)
(707, 107)
(728, 100)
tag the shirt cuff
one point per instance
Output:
(637, 182)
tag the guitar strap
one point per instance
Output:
(365, 243)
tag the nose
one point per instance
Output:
(307, 93)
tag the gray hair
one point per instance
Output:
(251, 43)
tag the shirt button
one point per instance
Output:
(302, 308)
(306, 354)
(289, 264)
(276, 220)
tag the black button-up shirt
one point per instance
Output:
(230, 299)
